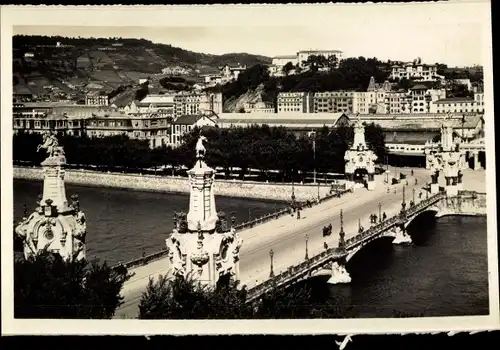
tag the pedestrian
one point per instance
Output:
(416, 181)
(298, 214)
(325, 245)
(384, 216)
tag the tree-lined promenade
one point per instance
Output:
(257, 147)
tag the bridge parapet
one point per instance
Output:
(296, 272)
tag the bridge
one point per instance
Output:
(346, 249)
(291, 239)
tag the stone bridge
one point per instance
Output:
(392, 227)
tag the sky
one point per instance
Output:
(452, 36)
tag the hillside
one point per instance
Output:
(69, 64)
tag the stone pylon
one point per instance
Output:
(359, 156)
(452, 160)
(204, 245)
(54, 225)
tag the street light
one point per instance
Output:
(271, 254)
(341, 233)
(379, 212)
(403, 205)
(307, 250)
(413, 190)
(313, 135)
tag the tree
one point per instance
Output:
(184, 298)
(46, 286)
(288, 67)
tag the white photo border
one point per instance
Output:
(238, 15)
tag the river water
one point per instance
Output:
(444, 273)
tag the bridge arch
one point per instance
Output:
(431, 209)
(388, 234)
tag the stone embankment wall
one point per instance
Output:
(467, 203)
(257, 190)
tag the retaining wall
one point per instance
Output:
(233, 188)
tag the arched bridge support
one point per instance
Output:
(433, 209)
(400, 234)
(339, 273)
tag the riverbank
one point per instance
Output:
(174, 184)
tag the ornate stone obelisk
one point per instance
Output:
(451, 159)
(54, 225)
(359, 156)
(203, 245)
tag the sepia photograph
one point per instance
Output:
(190, 163)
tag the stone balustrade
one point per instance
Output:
(178, 184)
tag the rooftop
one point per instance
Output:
(315, 51)
(332, 117)
(159, 99)
(455, 99)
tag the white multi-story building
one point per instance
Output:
(302, 56)
(421, 98)
(414, 71)
(259, 107)
(295, 102)
(334, 102)
(459, 104)
(97, 98)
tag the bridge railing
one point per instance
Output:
(143, 260)
(249, 224)
(294, 272)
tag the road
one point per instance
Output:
(286, 236)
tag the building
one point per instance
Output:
(295, 102)
(415, 71)
(259, 107)
(159, 104)
(39, 117)
(302, 56)
(460, 104)
(197, 103)
(334, 102)
(184, 124)
(278, 62)
(298, 122)
(97, 98)
(153, 127)
(421, 98)
(231, 72)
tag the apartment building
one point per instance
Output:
(295, 102)
(414, 71)
(334, 102)
(460, 104)
(278, 62)
(146, 126)
(39, 117)
(302, 56)
(259, 107)
(97, 98)
(184, 124)
(421, 98)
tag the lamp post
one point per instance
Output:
(341, 233)
(307, 249)
(413, 194)
(313, 135)
(271, 255)
(403, 205)
(379, 212)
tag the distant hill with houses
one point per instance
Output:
(68, 65)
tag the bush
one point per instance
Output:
(179, 298)
(46, 286)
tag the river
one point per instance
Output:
(444, 273)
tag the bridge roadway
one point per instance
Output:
(286, 236)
